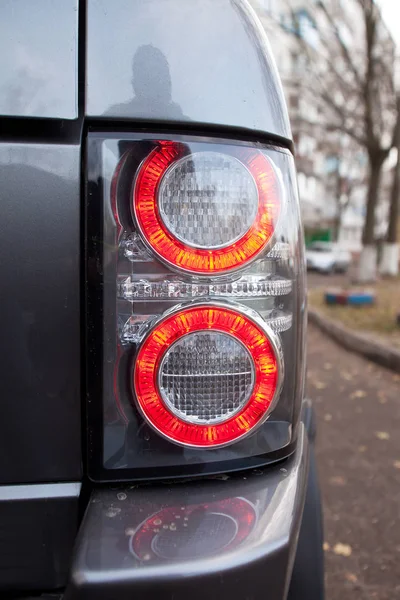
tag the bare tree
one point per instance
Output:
(351, 76)
(390, 255)
(346, 178)
(344, 199)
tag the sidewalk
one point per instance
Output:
(358, 412)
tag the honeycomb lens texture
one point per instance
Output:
(208, 200)
(206, 377)
(202, 536)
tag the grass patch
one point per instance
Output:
(378, 319)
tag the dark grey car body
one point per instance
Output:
(65, 66)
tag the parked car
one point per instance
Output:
(155, 439)
(327, 257)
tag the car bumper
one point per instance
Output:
(231, 536)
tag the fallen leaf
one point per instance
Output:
(326, 547)
(382, 400)
(351, 577)
(328, 417)
(358, 394)
(319, 385)
(327, 366)
(342, 549)
(337, 480)
(396, 464)
(362, 448)
(396, 377)
(382, 435)
(345, 375)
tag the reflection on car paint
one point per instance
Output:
(179, 532)
(161, 65)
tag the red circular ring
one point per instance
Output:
(267, 368)
(200, 260)
(239, 509)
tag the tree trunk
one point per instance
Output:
(376, 161)
(389, 264)
(394, 206)
(338, 217)
(337, 223)
(390, 256)
(367, 266)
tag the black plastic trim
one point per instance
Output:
(189, 128)
(42, 130)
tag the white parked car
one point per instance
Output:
(327, 257)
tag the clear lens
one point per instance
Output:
(135, 250)
(206, 377)
(208, 200)
(211, 534)
(250, 286)
(133, 330)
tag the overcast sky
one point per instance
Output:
(391, 14)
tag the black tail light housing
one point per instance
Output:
(195, 305)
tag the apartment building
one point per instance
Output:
(331, 169)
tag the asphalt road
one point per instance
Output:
(358, 450)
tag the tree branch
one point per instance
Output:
(343, 48)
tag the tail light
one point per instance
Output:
(207, 375)
(193, 531)
(195, 289)
(206, 213)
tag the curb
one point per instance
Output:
(385, 356)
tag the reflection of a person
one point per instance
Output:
(151, 82)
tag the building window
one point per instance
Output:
(305, 27)
(267, 5)
(331, 164)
